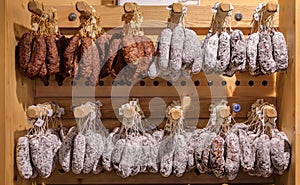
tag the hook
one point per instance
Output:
(84, 9)
(36, 7)
(129, 9)
(221, 10)
(177, 11)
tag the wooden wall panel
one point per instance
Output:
(18, 91)
(287, 100)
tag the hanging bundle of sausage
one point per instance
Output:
(178, 49)
(130, 52)
(86, 51)
(267, 49)
(38, 51)
(36, 152)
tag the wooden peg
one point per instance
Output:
(176, 113)
(223, 111)
(269, 10)
(81, 111)
(222, 13)
(129, 7)
(177, 7)
(36, 7)
(84, 9)
(35, 112)
(271, 112)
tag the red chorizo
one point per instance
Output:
(25, 50)
(114, 46)
(38, 56)
(103, 45)
(52, 57)
(62, 44)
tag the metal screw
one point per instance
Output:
(238, 16)
(72, 16)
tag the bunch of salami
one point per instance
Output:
(178, 52)
(130, 52)
(83, 146)
(258, 148)
(38, 51)
(36, 152)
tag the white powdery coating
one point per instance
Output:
(210, 48)
(163, 49)
(247, 153)
(217, 160)
(93, 151)
(65, 151)
(232, 163)
(252, 44)
(127, 159)
(176, 48)
(223, 52)
(280, 159)
(191, 46)
(23, 158)
(174, 75)
(265, 53)
(180, 155)
(78, 153)
(263, 159)
(280, 50)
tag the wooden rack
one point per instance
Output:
(242, 88)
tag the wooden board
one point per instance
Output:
(188, 178)
(149, 89)
(156, 16)
(110, 109)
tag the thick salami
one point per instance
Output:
(62, 44)
(223, 52)
(114, 46)
(217, 160)
(38, 56)
(177, 41)
(265, 56)
(52, 57)
(86, 61)
(69, 54)
(25, 45)
(232, 164)
(23, 158)
(210, 49)
(78, 153)
(280, 50)
(252, 43)
(163, 49)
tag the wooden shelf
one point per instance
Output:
(147, 178)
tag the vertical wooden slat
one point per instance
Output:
(286, 87)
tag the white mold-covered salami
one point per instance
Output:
(117, 153)
(23, 158)
(93, 150)
(180, 155)
(191, 46)
(210, 46)
(263, 159)
(223, 52)
(247, 153)
(78, 153)
(66, 149)
(153, 69)
(163, 49)
(280, 50)
(279, 157)
(166, 152)
(176, 48)
(217, 160)
(109, 147)
(252, 43)
(265, 53)
(232, 164)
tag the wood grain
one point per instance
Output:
(156, 16)
(188, 178)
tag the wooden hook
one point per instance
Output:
(175, 13)
(36, 7)
(219, 19)
(82, 111)
(84, 9)
(38, 111)
(269, 10)
(129, 9)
